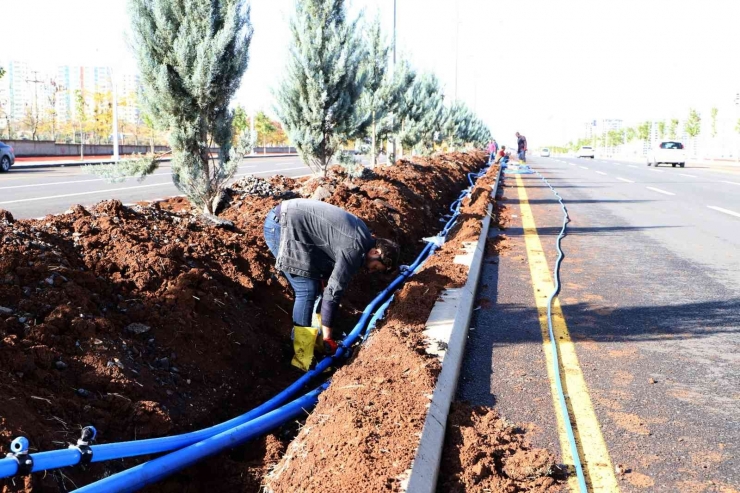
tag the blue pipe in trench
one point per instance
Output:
(69, 457)
(161, 467)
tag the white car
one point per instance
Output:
(544, 152)
(585, 151)
(668, 152)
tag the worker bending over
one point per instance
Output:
(315, 242)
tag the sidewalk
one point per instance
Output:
(23, 163)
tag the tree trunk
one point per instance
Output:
(374, 154)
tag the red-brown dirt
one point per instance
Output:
(484, 453)
(213, 333)
(363, 434)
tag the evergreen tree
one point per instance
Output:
(318, 99)
(461, 126)
(383, 92)
(192, 55)
(423, 114)
(389, 125)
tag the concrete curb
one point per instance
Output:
(448, 324)
(64, 164)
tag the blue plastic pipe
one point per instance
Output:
(69, 457)
(157, 469)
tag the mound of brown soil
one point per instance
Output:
(147, 321)
(364, 432)
(484, 453)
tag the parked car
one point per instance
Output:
(7, 157)
(667, 152)
(544, 152)
(585, 151)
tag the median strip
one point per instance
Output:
(660, 191)
(726, 211)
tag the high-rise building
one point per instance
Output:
(19, 95)
(128, 88)
(85, 81)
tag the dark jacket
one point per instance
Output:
(322, 241)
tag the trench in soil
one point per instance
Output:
(363, 434)
(213, 333)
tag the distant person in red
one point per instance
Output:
(493, 148)
(502, 157)
(521, 147)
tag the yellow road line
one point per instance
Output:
(597, 465)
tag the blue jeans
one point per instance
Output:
(523, 156)
(306, 289)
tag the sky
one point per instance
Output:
(540, 67)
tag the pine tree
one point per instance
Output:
(383, 92)
(317, 101)
(192, 55)
(423, 114)
(389, 125)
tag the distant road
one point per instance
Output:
(29, 193)
(651, 299)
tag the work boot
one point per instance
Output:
(304, 340)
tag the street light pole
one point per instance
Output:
(737, 127)
(393, 73)
(457, 41)
(116, 156)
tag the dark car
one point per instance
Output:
(7, 157)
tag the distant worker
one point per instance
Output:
(315, 242)
(521, 147)
(493, 148)
(502, 157)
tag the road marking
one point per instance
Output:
(92, 180)
(689, 176)
(632, 166)
(602, 173)
(572, 164)
(597, 464)
(624, 179)
(33, 199)
(720, 209)
(731, 182)
(656, 170)
(92, 192)
(583, 167)
(660, 191)
(272, 171)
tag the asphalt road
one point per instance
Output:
(29, 193)
(651, 297)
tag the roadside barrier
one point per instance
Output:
(192, 447)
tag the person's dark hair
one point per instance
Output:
(390, 252)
